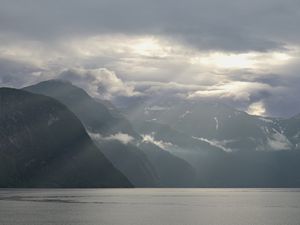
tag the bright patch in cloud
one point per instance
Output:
(230, 61)
(121, 46)
(235, 90)
(257, 108)
(149, 47)
(251, 60)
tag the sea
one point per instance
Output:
(149, 206)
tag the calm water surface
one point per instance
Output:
(150, 207)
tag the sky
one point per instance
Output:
(242, 53)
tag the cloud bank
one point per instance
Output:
(242, 53)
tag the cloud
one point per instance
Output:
(14, 73)
(239, 52)
(121, 137)
(233, 90)
(235, 25)
(147, 138)
(100, 82)
(257, 108)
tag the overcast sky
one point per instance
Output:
(242, 53)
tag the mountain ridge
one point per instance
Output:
(222, 147)
(43, 144)
(150, 173)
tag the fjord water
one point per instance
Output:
(149, 206)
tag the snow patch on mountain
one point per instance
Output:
(216, 143)
(52, 119)
(154, 119)
(297, 135)
(156, 108)
(217, 123)
(265, 130)
(185, 114)
(278, 141)
(266, 120)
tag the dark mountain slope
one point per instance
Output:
(102, 119)
(131, 161)
(43, 144)
(172, 171)
(92, 113)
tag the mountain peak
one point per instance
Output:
(56, 82)
(94, 114)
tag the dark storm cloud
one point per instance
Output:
(236, 25)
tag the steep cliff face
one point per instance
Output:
(43, 144)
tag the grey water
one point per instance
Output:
(149, 206)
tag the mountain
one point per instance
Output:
(112, 132)
(176, 142)
(103, 122)
(182, 143)
(147, 164)
(227, 147)
(86, 108)
(216, 124)
(43, 144)
(131, 161)
(167, 134)
(172, 171)
(291, 129)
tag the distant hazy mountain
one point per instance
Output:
(43, 144)
(227, 147)
(172, 171)
(109, 128)
(216, 124)
(291, 129)
(132, 162)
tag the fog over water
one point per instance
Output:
(150, 206)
